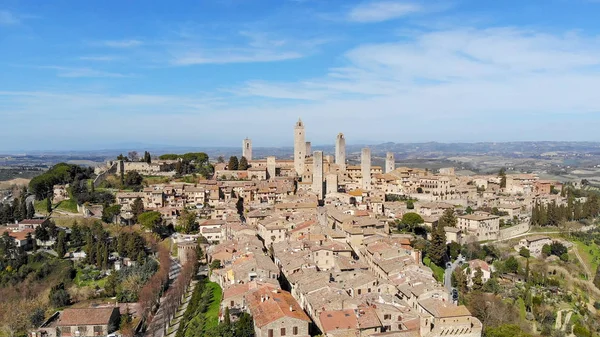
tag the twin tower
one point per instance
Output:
(302, 149)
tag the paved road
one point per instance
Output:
(156, 328)
(448, 274)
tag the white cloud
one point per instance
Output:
(454, 74)
(121, 43)
(105, 58)
(256, 47)
(233, 56)
(379, 11)
(7, 18)
(84, 72)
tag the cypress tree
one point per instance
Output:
(243, 165)
(437, 249)
(233, 163)
(48, 205)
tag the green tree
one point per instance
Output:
(524, 252)
(447, 219)
(233, 163)
(48, 205)
(137, 208)
(226, 315)
(469, 210)
(187, 221)
(411, 219)
(505, 330)
(215, 264)
(133, 179)
(502, 175)
(597, 278)
(244, 326)
(454, 249)
(61, 244)
(546, 250)
(220, 159)
(59, 297)
(410, 204)
(477, 279)
(150, 220)
(459, 280)
(437, 248)
(581, 331)
(243, 165)
(110, 213)
(30, 211)
(511, 265)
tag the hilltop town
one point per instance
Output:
(187, 245)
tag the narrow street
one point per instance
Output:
(158, 324)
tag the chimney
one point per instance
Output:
(291, 308)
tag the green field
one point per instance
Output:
(438, 272)
(86, 278)
(67, 206)
(589, 253)
(212, 314)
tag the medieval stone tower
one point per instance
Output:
(299, 147)
(317, 182)
(247, 149)
(365, 166)
(390, 162)
(340, 152)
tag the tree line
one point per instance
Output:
(18, 210)
(42, 186)
(552, 214)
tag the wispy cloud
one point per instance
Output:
(120, 43)
(104, 58)
(255, 47)
(7, 18)
(379, 11)
(75, 72)
(460, 72)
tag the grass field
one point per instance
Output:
(589, 253)
(212, 314)
(438, 272)
(85, 278)
(67, 206)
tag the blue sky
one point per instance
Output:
(91, 74)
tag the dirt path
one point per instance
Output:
(588, 273)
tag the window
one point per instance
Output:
(295, 330)
(283, 331)
(359, 291)
(270, 333)
(66, 329)
(97, 330)
(231, 303)
(387, 316)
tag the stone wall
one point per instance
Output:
(513, 231)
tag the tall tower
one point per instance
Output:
(317, 180)
(247, 149)
(365, 166)
(299, 147)
(308, 149)
(390, 162)
(340, 152)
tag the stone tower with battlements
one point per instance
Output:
(340, 152)
(317, 178)
(299, 147)
(390, 162)
(247, 149)
(365, 167)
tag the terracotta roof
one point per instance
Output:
(267, 306)
(20, 235)
(441, 309)
(338, 320)
(90, 316)
(473, 264)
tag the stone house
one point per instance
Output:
(276, 313)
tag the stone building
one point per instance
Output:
(340, 152)
(299, 147)
(247, 149)
(365, 166)
(390, 162)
